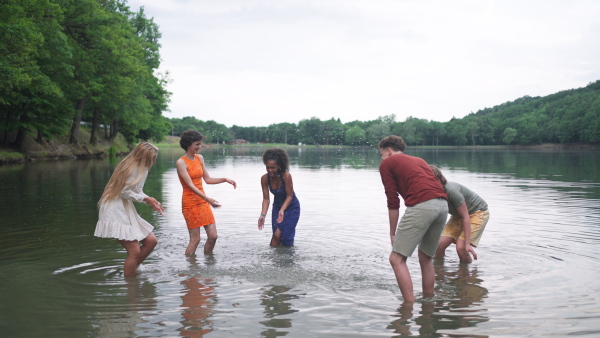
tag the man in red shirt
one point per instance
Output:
(424, 218)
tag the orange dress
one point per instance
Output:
(196, 211)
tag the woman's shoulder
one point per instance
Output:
(286, 177)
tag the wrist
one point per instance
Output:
(263, 215)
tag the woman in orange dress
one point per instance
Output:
(196, 205)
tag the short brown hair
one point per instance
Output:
(438, 174)
(394, 142)
(188, 137)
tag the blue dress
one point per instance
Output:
(291, 215)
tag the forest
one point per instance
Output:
(68, 63)
(569, 116)
(64, 62)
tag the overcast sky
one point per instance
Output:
(259, 62)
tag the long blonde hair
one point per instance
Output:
(141, 158)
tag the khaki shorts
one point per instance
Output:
(454, 227)
(421, 225)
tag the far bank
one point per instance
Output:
(61, 149)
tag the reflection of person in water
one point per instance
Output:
(141, 297)
(197, 301)
(458, 290)
(275, 302)
(424, 322)
(465, 283)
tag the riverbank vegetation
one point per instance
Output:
(570, 116)
(71, 62)
(83, 73)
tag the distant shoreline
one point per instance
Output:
(63, 151)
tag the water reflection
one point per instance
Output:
(456, 306)
(464, 295)
(276, 303)
(55, 272)
(198, 300)
(140, 298)
(423, 323)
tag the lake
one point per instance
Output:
(537, 275)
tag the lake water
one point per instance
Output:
(538, 273)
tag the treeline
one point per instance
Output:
(67, 61)
(565, 117)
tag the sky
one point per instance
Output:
(261, 62)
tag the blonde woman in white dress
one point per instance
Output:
(118, 217)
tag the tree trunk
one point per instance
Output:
(114, 129)
(76, 122)
(40, 137)
(94, 136)
(21, 133)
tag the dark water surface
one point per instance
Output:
(538, 273)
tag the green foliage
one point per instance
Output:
(355, 136)
(96, 53)
(214, 132)
(509, 135)
(63, 62)
(564, 117)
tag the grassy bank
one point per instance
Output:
(59, 148)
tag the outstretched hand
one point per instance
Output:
(232, 182)
(156, 206)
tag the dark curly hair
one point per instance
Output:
(394, 142)
(279, 156)
(188, 137)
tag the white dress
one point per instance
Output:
(119, 219)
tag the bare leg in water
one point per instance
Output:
(136, 253)
(276, 239)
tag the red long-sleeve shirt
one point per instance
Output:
(410, 177)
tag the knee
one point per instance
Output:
(424, 259)
(395, 258)
(151, 241)
(213, 237)
(134, 252)
(194, 240)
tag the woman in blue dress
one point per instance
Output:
(286, 207)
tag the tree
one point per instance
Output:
(355, 136)
(509, 135)
(311, 131)
(376, 132)
(34, 62)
